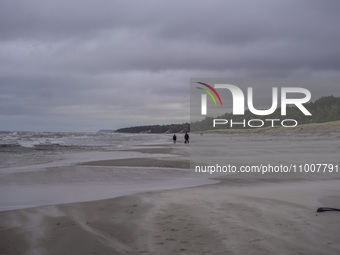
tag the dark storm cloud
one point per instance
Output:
(121, 62)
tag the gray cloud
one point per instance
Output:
(108, 64)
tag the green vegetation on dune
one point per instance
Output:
(324, 109)
(157, 129)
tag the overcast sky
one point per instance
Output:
(84, 65)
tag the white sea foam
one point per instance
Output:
(30, 148)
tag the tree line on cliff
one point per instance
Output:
(157, 129)
(324, 109)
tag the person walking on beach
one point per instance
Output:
(174, 138)
(186, 137)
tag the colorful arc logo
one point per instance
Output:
(204, 97)
(208, 92)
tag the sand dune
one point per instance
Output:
(320, 128)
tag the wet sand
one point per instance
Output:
(232, 217)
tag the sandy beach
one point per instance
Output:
(231, 216)
(169, 127)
